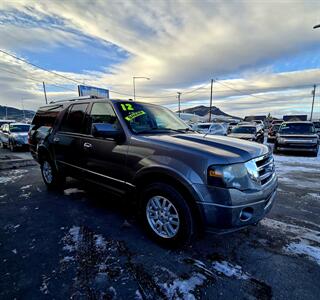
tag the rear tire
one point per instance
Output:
(166, 215)
(275, 148)
(51, 176)
(12, 147)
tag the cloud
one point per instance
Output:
(181, 45)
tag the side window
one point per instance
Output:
(73, 119)
(101, 113)
(46, 116)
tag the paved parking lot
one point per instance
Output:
(85, 244)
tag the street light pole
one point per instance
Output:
(179, 102)
(313, 96)
(134, 84)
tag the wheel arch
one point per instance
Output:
(170, 177)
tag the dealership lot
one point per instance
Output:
(84, 243)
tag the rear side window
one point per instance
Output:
(73, 119)
(46, 116)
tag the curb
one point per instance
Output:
(16, 163)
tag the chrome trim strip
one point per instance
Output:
(95, 173)
(229, 206)
(266, 164)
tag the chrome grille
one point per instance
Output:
(265, 166)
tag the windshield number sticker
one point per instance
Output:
(127, 106)
(135, 115)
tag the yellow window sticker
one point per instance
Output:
(135, 115)
(127, 106)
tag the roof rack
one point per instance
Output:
(75, 99)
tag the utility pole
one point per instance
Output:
(45, 93)
(313, 96)
(24, 115)
(210, 108)
(179, 108)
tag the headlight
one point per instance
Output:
(239, 176)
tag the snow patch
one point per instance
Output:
(182, 289)
(26, 187)
(304, 248)
(305, 241)
(72, 191)
(230, 270)
(12, 176)
(314, 195)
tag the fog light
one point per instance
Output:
(246, 214)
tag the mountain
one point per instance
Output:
(202, 111)
(15, 113)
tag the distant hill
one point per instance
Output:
(202, 111)
(15, 113)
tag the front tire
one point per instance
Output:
(51, 177)
(166, 215)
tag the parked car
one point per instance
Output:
(2, 122)
(259, 122)
(317, 127)
(272, 133)
(180, 181)
(297, 136)
(231, 125)
(248, 132)
(275, 122)
(14, 135)
(214, 128)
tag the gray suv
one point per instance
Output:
(179, 180)
(298, 137)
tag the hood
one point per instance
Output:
(220, 148)
(242, 135)
(20, 134)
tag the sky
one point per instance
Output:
(264, 56)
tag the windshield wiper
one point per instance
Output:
(180, 130)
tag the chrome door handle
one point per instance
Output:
(56, 140)
(87, 145)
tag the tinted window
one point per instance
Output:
(244, 129)
(101, 113)
(73, 119)
(19, 128)
(296, 128)
(46, 116)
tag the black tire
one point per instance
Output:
(315, 153)
(275, 148)
(12, 147)
(57, 180)
(186, 228)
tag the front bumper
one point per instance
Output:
(297, 147)
(225, 209)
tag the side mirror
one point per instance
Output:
(105, 130)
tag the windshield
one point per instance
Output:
(19, 128)
(204, 126)
(244, 129)
(296, 128)
(144, 118)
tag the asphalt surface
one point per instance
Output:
(83, 243)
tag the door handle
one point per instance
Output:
(56, 140)
(87, 145)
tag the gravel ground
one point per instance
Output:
(84, 243)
